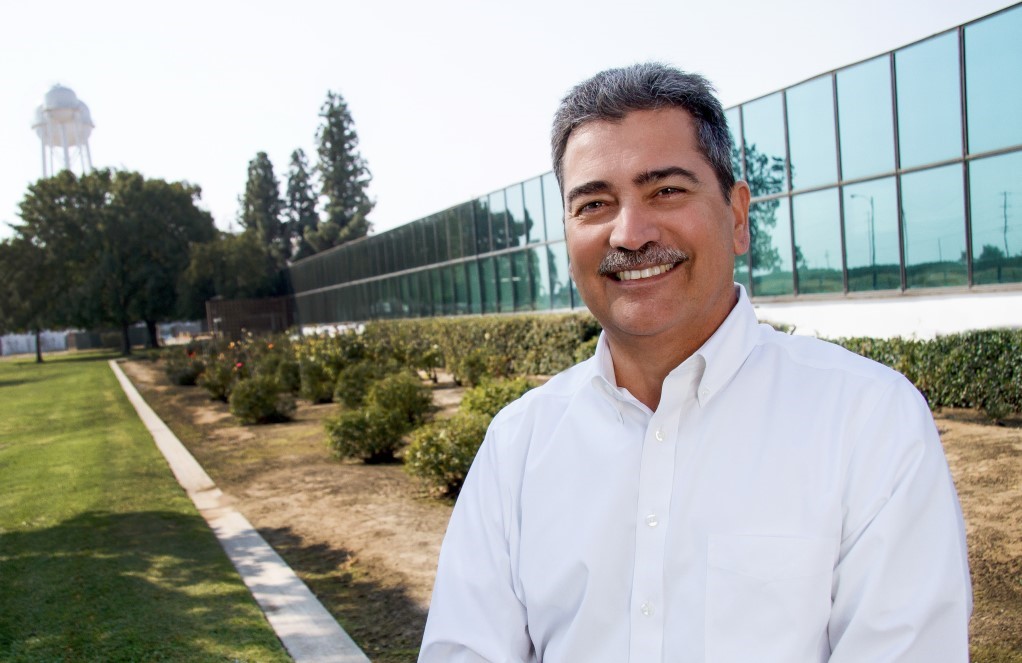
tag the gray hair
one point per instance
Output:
(612, 94)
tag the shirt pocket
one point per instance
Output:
(768, 598)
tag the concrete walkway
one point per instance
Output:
(309, 633)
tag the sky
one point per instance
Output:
(451, 99)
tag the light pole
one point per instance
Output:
(872, 236)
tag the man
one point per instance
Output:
(703, 488)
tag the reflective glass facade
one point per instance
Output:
(902, 172)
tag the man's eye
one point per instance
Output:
(669, 191)
(590, 206)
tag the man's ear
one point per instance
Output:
(740, 197)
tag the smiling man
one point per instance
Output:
(703, 488)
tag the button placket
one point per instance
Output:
(656, 477)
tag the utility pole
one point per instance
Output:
(1004, 214)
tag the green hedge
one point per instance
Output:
(980, 369)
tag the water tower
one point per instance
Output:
(63, 124)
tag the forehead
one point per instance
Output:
(640, 141)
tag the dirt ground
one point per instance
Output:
(366, 538)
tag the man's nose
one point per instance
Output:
(633, 228)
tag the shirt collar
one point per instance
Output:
(728, 348)
(603, 371)
(720, 356)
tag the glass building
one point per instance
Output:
(900, 173)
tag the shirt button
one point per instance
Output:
(659, 435)
(651, 520)
(646, 609)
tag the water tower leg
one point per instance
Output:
(63, 140)
(81, 148)
(88, 155)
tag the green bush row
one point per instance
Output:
(372, 374)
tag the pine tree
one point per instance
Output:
(344, 177)
(300, 206)
(261, 210)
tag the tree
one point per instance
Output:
(764, 173)
(117, 244)
(29, 293)
(59, 216)
(344, 177)
(990, 253)
(300, 206)
(232, 267)
(167, 225)
(261, 210)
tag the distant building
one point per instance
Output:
(887, 200)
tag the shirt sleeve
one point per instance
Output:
(475, 613)
(901, 588)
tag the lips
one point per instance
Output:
(644, 273)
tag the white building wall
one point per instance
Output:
(21, 344)
(909, 316)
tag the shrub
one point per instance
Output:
(259, 400)
(428, 360)
(184, 367)
(317, 383)
(331, 352)
(354, 380)
(404, 393)
(220, 377)
(371, 434)
(492, 396)
(440, 453)
(283, 368)
(469, 368)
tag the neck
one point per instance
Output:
(642, 365)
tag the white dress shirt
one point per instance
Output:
(787, 502)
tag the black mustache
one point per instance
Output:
(647, 255)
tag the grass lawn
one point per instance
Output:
(102, 555)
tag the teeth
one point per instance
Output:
(634, 274)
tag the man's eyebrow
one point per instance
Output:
(596, 186)
(651, 176)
